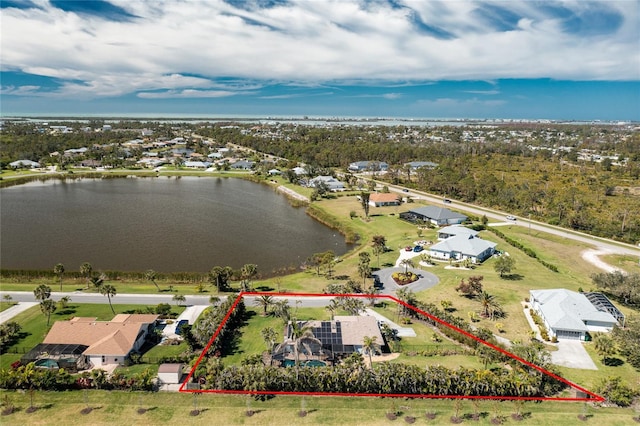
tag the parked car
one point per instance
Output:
(405, 190)
(417, 249)
(511, 217)
(446, 201)
(408, 248)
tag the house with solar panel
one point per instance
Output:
(327, 342)
(570, 315)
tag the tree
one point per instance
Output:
(379, 242)
(219, 276)
(369, 346)
(98, 280)
(85, 270)
(624, 286)
(407, 263)
(109, 291)
(151, 275)
(363, 266)
(282, 310)
(42, 292)
(298, 332)
(504, 265)
(270, 337)
(605, 346)
(364, 201)
(265, 302)
(58, 269)
(490, 306)
(48, 306)
(179, 299)
(472, 287)
(64, 302)
(247, 272)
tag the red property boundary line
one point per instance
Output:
(591, 397)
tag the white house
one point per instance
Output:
(332, 183)
(24, 164)
(372, 166)
(455, 230)
(461, 247)
(568, 314)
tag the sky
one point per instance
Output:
(561, 60)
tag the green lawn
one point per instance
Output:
(6, 305)
(109, 408)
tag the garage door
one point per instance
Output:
(568, 335)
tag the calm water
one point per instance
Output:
(165, 224)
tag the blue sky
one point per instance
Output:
(566, 60)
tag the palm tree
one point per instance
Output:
(265, 302)
(270, 337)
(605, 346)
(282, 310)
(379, 242)
(298, 331)
(332, 307)
(42, 292)
(64, 302)
(151, 275)
(97, 280)
(214, 300)
(370, 346)
(179, 298)
(247, 272)
(59, 271)
(407, 263)
(86, 269)
(48, 306)
(490, 306)
(109, 291)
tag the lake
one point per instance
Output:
(166, 224)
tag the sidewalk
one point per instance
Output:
(15, 310)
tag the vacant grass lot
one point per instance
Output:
(109, 408)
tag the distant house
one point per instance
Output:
(455, 230)
(299, 171)
(415, 165)
(24, 164)
(332, 183)
(383, 199)
(197, 164)
(368, 166)
(462, 247)
(570, 315)
(107, 342)
(274, 172)
(438, 216)
(243, 165)
(331, 339)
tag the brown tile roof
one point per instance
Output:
(383, 197)
(101, 337)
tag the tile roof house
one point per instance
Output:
(383, 199)
(108, 342)
(461, 247)
(568, 314)
(438, 216)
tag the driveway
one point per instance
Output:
(425, 281)
(572, 354)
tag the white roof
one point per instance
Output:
(457, 230)
(465, 244)
(567, 310)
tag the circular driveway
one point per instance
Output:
(425, 281)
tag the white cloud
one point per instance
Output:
(184, 48)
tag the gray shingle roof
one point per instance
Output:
(465, 244)
(437, 213)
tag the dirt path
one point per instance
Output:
(292, 194)
(591, 256)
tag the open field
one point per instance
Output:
(110, 408)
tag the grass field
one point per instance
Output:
(109, 408)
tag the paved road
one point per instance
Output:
(602, 243)
(425, 281)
